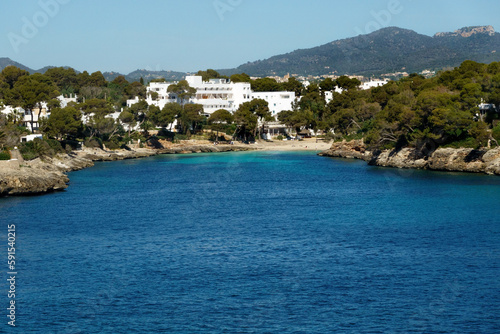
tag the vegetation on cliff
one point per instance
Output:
(414, 111)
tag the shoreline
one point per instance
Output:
(466, 160)
(37, 176)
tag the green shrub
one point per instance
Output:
(165, 134)
(213, 137)
(28, 151)
(496, 132)
(280, 137)
(230, 129)
(180, 137)
(126, 140)
(329, 136)
(93, 143)
(468, 142)
(43, 148)
(354, 136)
(37, 148)
(70, 145)
(137, 136)
(201, 136)
(112, 145)
(55, 145)
(4, 155)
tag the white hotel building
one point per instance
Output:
(277, 101)
(218, 94)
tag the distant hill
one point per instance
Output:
(147, 75)
(386, 50)
(133, 76)
(4, 62)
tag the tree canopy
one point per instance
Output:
(413, 111)
(63, 123)
(182, 90)
(249, 114)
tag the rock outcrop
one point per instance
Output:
(30, 181)
(404, 158)
(354, 149)
(443, 159)
(466, 160)
(468, 31)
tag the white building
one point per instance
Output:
(364, 86)
(373, 83)
(329, 94)
(66, 100)
(217, 94)
(27, 138)
(277, 101)
(212, 95)
(163, 98)
(26, 116)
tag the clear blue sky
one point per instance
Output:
(189, 35)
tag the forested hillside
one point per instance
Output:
(414, 111)
(384, 51)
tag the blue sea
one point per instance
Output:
(256, 242)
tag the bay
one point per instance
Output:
(259, 242)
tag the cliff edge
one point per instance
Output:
(443, 159)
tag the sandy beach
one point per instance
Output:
(307, 144)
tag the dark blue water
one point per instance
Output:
(257, 243)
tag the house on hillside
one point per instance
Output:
(27, 138)
(373, 83)
(31, 119)
(487, 110)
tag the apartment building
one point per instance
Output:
(217, 94)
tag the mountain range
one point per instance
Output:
(386, 50)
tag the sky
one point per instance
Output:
(191, 35)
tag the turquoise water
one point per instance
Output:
(257, 242)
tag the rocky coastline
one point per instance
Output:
(40, 176)
(442, 159)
